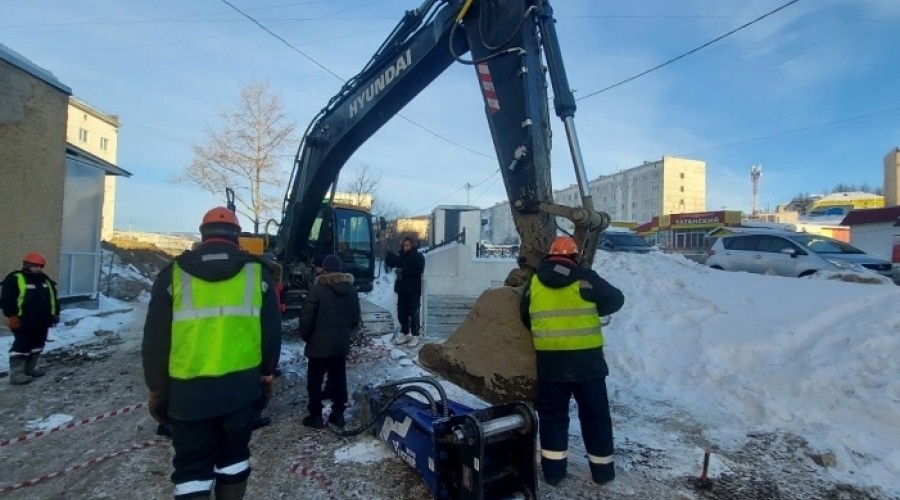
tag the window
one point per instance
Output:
(741, 243)
(682, 189)
(682, 175)
(773, 244)
(83, 135)
(104, 144)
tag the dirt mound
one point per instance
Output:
(491, 354)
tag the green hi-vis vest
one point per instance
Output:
(216, 326)
(23, 287)
(561, 320)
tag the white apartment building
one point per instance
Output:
(97, 133)
(668, 186)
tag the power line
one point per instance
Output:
(317, 63)
(707, 44)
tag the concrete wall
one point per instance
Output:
(454, 270)
(874, 239)
(32, 167)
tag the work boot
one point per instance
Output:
(554, 470)
(31, 366)
(413, 341)
(603, 473)
(314, 422)
(234, 491)
(261, 421)
(17, 375)
(402, 338)
(337, 419)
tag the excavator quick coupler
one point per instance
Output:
(460, 452)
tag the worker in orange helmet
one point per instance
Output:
(211, 344)
(29, 302)
(562, 306)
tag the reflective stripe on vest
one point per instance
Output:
(23, 287)
(216, 326)
(561, 320)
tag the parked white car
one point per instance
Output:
(790, 254)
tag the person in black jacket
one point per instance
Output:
(410, 265)
(212, 339)
(328, 319)
(29, 302)
(562, 305)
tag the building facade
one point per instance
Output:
(97, 133)
(667, 186)
(32, 161)
(892, 178)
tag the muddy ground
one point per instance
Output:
(291, 461)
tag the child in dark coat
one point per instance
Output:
(328, 319)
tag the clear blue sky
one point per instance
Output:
(810, 93)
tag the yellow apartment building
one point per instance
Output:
(670, 185)
(97, 133)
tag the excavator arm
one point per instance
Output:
(504, 41)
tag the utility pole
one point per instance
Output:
(755, 174)
(468, 190)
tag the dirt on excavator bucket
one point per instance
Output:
(491, 354)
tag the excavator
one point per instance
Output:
(513, 49)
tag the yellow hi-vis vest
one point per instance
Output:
(216, 326)
(24, 286)
(561, 320)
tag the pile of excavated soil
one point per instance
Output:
(491, 354)
(144, 258)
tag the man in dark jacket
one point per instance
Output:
(29, 302)
(410, 265)
(212, 337)
(327, 320)
(562, 306)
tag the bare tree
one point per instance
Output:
(244, 153)
(363, 182)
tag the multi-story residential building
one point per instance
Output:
(668, 186)
(97, 133)
(638, 194)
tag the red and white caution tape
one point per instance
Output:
(73, 424)
(297, 467)
(96, 460)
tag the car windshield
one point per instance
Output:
(625, 239)
(823, 245)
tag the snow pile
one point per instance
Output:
(742, 352)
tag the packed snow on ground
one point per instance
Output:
(49, 422)
(77, 326)
(737, 352)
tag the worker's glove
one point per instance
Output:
(267, 386)
(158, 406)
(14, 322)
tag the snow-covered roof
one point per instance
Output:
(849, 195)
(18, 60)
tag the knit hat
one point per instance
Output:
(332, 264)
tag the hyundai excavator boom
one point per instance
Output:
(512, 47)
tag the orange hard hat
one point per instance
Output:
(220, 222)
(563, 245)
(35, 258)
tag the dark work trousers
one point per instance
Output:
(213, 449)
(408, 312)
(335, 388)
(28, 340)
(593, 411)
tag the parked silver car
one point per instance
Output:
(790, 254)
